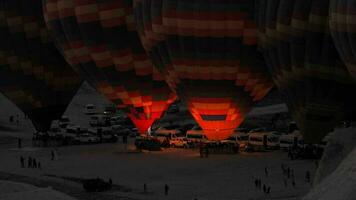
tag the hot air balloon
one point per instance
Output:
(207, 51)
(302, 58)
(99, 39)
(33, 74)
(341, 25)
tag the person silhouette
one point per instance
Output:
(29, 162)
(166, 188)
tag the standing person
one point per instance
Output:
(144, 188)
(166, 188)
(307, 176)
(259, 183)
(124, 140)
(293, 182)
(29, 162)
(201, 151)
(56, 154)
(256, 183)
(34, 163)
(268, 189)
(52, 155)
(22, 160)
(266, 171)
(264, 188)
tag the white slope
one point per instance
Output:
(85, 95)
(23, 129)
(19, 191)
(340, 185)
(340, 144)
(75, 111)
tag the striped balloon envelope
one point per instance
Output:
(99, 39)
(207, 51)
(302, 58)
(342, 15)
(33, 74)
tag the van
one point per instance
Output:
(196, 135)
(263, 140)
(238, 138)
(90, 109)
(164, 134)
(290, 140)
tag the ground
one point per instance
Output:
(188, 176)
(223, 177)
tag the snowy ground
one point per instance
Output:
(19, 191)
(188, 176)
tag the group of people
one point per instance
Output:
(258, 185)
(35, 163)
(31, 163)
(166, 188)
(17, 120)
(217, 148)
(288, 173)
(305, 152)
(204, 152)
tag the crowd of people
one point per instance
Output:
(35, 163)
(288, 177)
(218, 148)
(31, 163)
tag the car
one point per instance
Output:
(264, 140)
(116, 120)
(63, 122)
(99, 120)
(86, 138)
(110, 109)
(108, 136)
(56, 132)
(120, 130)
(179, 142)
(164, 135)
(133, 132)
(147, 143)
(196, 135)
(90, 109)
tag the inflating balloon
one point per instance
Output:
(33, 74)
(207, 51)
(296, 42)
(99, 39)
